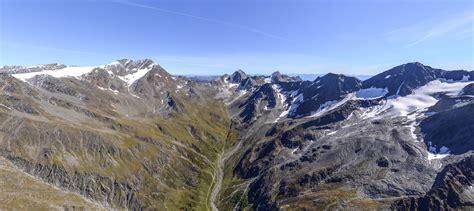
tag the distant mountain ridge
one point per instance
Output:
(303, 76)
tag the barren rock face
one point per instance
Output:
(468, 90)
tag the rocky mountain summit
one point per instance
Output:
(129, 135)
(403, 79)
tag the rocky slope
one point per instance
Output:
(24, 192)
(123, 142)
(341, 143)
(129, 135)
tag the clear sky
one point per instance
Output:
(258, 36)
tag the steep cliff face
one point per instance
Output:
(452, 190)
(452, 128)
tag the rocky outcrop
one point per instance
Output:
(154, 83)
(127, 66)
(301, 161)
(263, 99)
(277, 77)
(468, 90)
(237, 77)
(452, 190)
(169, 105)
(104, 80)
(453, 128)
(53, 84)
(91, 185)
(323, 91)
(403, 79)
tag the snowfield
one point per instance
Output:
(61, 73)
(80, 71)
(130, 78)
(424, 97)
(371, 93)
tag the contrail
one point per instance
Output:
(246, 28)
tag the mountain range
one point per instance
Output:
(129, 135)
(303, 76)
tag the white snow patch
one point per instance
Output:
(296, 102)
(267, 80)
(281, 97)
(293, 93)
(412, 128)
(294, 151)
(266, 108)
(233, 85)
(330, 105)
(461, 104)
(327, 104)
(60, 73)
(282, 114)
(136, 96)
(130, 78)
(291, 108)
(423, 98)
(388, 76)
(434, 154)
(114, 63)
(465, 78)
(372, 111)
(371, 93)
(108, 89)
(412, 106)
(5, 106)
(400, 87)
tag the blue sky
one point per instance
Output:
(259, 36)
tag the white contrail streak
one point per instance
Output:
(242, 27)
